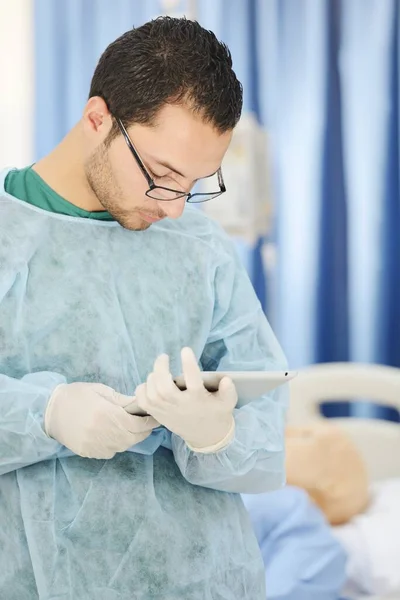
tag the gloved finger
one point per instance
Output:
(142, 398)
(104, 445)
(227, 391)
(157, 396)
(100, 388)
(136, 439)
(163, 380)
(134, 409)
(120, 399)
(131, 439)
(191, 370)
(133, 424)
(144, 424)
(161, 365)
(122, 440)
(153, 396)
(159, 411)
(107, 393)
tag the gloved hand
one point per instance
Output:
(90, 420)
(201, 418)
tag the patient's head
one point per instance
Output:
(322, 460)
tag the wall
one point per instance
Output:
(17, 77)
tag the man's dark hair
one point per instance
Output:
(168, 60)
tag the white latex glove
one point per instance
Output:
(90, 420)
(201, 418)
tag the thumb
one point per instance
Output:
(121, 399)
(227, 391)
(143, 423)
(133, 423)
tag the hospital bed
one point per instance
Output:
(324, 386)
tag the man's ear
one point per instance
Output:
(97, 118)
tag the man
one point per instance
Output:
(96, 503)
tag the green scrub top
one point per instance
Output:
(27, 185)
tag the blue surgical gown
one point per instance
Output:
(303, 560)
(85, 300)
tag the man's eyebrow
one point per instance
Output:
(171, 168)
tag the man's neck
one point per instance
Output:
(63, 170)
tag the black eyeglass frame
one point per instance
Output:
(152, 184)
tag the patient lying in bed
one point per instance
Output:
(303, 560)
(328, 485)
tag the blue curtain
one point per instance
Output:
(332, 293)
(237, 24)
(323, 79)
(70, 36)
(389, 285)
(332, 109)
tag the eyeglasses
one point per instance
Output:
(159, 192)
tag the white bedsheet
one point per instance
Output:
(372, 541)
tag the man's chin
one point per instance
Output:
(133, 223)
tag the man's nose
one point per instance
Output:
(172, 208)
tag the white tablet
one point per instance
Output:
(250, 385)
